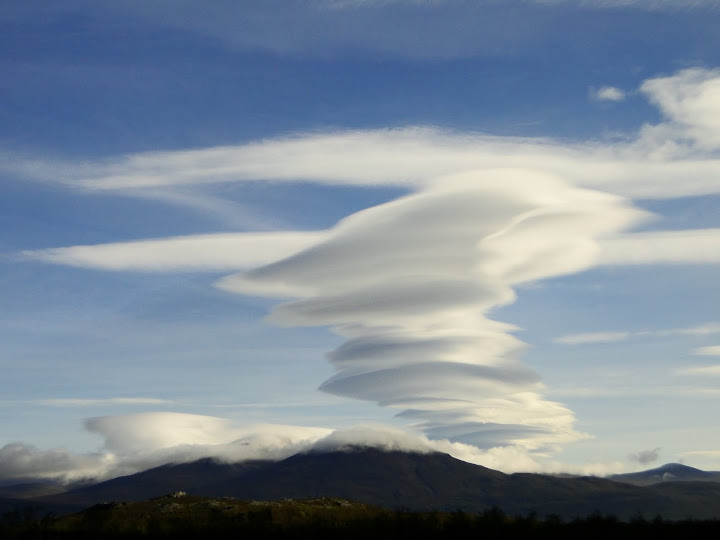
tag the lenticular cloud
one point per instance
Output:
(412, 283)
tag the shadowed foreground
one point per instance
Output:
(179, 516)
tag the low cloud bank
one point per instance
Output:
(180, 438)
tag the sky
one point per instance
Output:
(250, 228)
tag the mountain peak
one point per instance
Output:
(670, 472)
(675, 468)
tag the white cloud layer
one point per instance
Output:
(663, 247)
(671, 159)
(133, 443)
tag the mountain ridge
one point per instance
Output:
(394, 479)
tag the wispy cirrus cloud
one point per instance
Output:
(85, 402)
(711, 350)
(592, 337)
(713, 370)
(706, 329)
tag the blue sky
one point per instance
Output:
(493, 224)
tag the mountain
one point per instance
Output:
(432, 481)
(31, 489)
(670, 472)
(192, 477)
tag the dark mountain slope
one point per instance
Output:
(156, 482)
(393, 479)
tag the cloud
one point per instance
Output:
(712, 371)
(645, 457)
(81, 402)
(705, 459)
(609, 337)
(592, 337)
(410, 284)
(662, 247)
(147, 432)
(179, 438)
(690, 100)
(206, 252)
(414, 29)
(707, 454)
(24, 462)
(137, 442)
(712, 350)
(608, 93)
(408, 274)
(673, 158)
(663, 162)
(701, 330)
(638, 4)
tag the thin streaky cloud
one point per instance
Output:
(592, 337)
(682, 392)
(701, 453)
(193, 253)
(713, 371)
(635, 4)
(709, 328)
(706, 329)
(230, 213)
(84, 402)
(711, 350)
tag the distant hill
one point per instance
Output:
(432, 481)
(31, 489)
(670, 472)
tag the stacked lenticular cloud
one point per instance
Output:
(411, 284)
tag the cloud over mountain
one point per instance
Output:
(137, 442)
